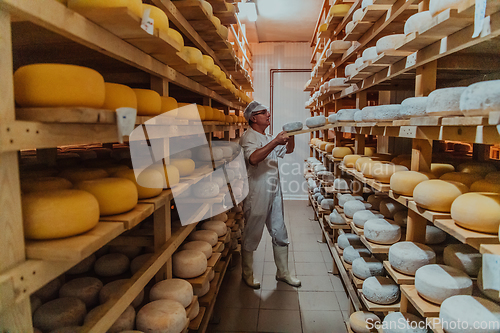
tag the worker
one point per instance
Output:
(264, 202)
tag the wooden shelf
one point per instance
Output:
(373, 247)
(490, 248)
(198, 282)
(216, 200)
(194, 325)
(132, 218)
(399, 278)
(373, 307)
(358, 231)
(425, 308)
(214, 259)
(309, 130)
(160, 200)
(472, 238)
(404, 200)
(219, 247)
(428, 214)
(358, 283)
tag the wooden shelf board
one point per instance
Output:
(214, 259)
(428, 214)
(347, 266)
(226, 238)
(196, 322)
(400, 198)
(226, 17)
(490, 248)
(357, 231)
(216, 200)
(472, 238)
(339, 250)
(191, 306)
(425, 308)
(464, 121)
(198, 282)
(390, 57)
(191, 10)
(359, 29)
(373, 247)
(74, 248)
(309, 130)
(399, 278)
(219, 247)
(373, 307)
(132, 218)
(160, 200)
(358, 283)
(78, 115)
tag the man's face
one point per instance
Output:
(262, 118)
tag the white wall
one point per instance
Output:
(288, 103)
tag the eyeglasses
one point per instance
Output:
(261, 112)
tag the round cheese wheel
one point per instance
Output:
(203, 290)
(135, 6)
(293, 126)
(218, 226)
(484, 185)
(381, 231)
(380, 290)
(195, 310)
(358, 15)
(116, 288)
(86, 289)
(188, 111)
(465, 178)
(364, 268)
(353, 206)
(477, 211)
(439, 169)
(389, 43)
(119, 96)
(469, 311)
(185, 166)
(49, 291)
(58, 85)
(124, 322)
(463, 257)
(29, 185)
(407, 257)
(175, 289)
(417, 22)
(208, 8)
(172, 175)
(327, 204)
(83, 266)
(437, 195)
(330, 147)
(413, 106)
(389, 207)
(61, 312)
(194, 55)
(350, 160)
(339, 10)
(221, 217)
(369, 168)
(477, 167)
(401, 218)
(111, 264)
(384, 172)
(492, 294)
(58, 214)
(78, 175)
(359, 62)
(138, 262)
(353, 252)
(370, 53)
(169, 107)
(402, 322)
(149, 183)
(188, 264)
(438, 6)
(336, 218)
(434, 235)
(375, 200)
(363, 322)
(346, 240)
(206, 189)
(340, 152)
(444, 102)
(366, 3)
(404, 182)
(316, 121)
(340, 184)
(332, 119)
(480, 98)
(360, 217)
(349, 27)
(35, 303)
(202, 246)
(148, 102)
(346, 114)
(163, 315)
(343, 198)
(436, 283)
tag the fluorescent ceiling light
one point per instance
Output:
(248, 10)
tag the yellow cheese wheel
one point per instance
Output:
(208, 63)
(477, 167)
(404, 182)
(148, 102)
(236, 119)
(118, 96)
(169, 107)
(115, 195)
(172, 175)
(45, 184)
(484, 185)
(323, 27)
(77, 175)
(322, 145)
(135, 6)
(217, 71)
(228, 118)
(215, 20)
(350, 160)
(159, 17)
(340, 152)
(194, 56)
(58, 213)
(53, 85)
(370, 151)
(462, 177)
(439, 169)
(223, 31)
(438, 195)
(477, 211)
(361, 161)
(201, 111)
(184, 165)
(176, 36)
(149, 183)
(369, 168)
(209, 113)
(188, 111)
(384, 171)
(493, 177)
(207, 7)
(339, 10)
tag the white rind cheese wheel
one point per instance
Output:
(188, 264)
(434, 235)
(382, 112)
(219, 227)
(366, 3)
(362, 321)
(402, 322)
(340, 152)
(469, 311)
(347, 240)
(350, 70)
(418, 22)
(86, 289)
(438, 6)
(465, 178)
(340, 184)
(353, 252)
(336, 218)
(436, 283)
(206, 190)
(492, 294)
(407, 257)
(337, 82)
(164, 315)
(175, 289)
(349, 27)
(437, 195)
(360, 217)
(118, 287)
(293, 126)
(389, 207)
(358, 116)
(389, 43)
(370, 54)
(380, 290)
(350, 160)
(480, 98)
(327, 204)
(58, 214)
(346, 115)
(364, 268)
(340, 45)
(477, 167)
(359, 62)
(124, 323)
(381, 231)
(477, 211)
(413, 107)
(404, 182)
(317, 121)
(202, 246)
(185, 166)
(444, 102)
(332, 119)
(59, 313)
(112, 264)
(203, 290)
(352, 207)
(463, 257)
(358, 15)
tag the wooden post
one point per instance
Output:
(480, 152)
(426, 79)
(160, 85)
(361, 100)
(47, 156)
(421, 155)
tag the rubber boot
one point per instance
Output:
(247, 270)
(281, 260)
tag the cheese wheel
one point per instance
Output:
(363, 322)
(389, 43)
(207, 7)
(361, 161)
(58, 85)
(418, 22)
(138, 262)
(346, 240)
(407, 257)
(119, 96)
(322, 145)
(384, 172)
(444, 102)
(353, 252)
(438, 6)
(358, 15)
(360, 217)
(208, 236)
(124, 322)
(375, 200)
(434, 235)
(404, 182)
(206, 189)
(349, 27)
(316, 121)
(221, 217)
(169, 107)
(436, 283)
(380, 290)
(35, 303)
(353, 206)
(61, 312)
(30, 185)
(340, 184)
(112, 264)
(195, 310)
(413, 106)
(148, 102)
(86, 289)
(477, 167)
(439, 169)
(346, 114)
(149, 183)
(492, 294)
(480, 98)
(329, 147)
(477, 211)
(188, 264)
(327, 204)
(381, 231)
(194, 55)
(172, 175)
(58, 214)
(364, 268)
(340, 152)
(359, 62)
(177, 37)
(336, 218)
(340, 45)
(332, 119)
(202, 246)
(78, 175)
(216, 21)
(366, 3)
(484, 185)
(114, 195)
(175, 289)
(402, 322)
(49, 291)
(83, 266)
(463, 257)
(203, 290)
(185, 166)
(218, 226)
(339, 10)
(370, 53)
(465, 178)
(135, 6)
(163, 315)
(293, 126)
(437, 195)
(389, 207)
(469, 311)
(117, 288)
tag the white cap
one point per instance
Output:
(253, 107)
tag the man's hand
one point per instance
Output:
(282, 138)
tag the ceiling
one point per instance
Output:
(283, 21)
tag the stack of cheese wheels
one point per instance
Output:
(188, 264)
(363, 322)
(366, 267)
(436, 283)
(116, 288)
(85, 288)
(353, 252)
(407, 257)
(124, 323)
(148, 102)
(149, 183)
(477, 211)
(59, 313)
(463, 257)
(118, 96)
(164, 315)
(437, 195)
(381, 231)
(404, 182)
(380, 290)
(399, 322)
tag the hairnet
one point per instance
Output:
(253, 107)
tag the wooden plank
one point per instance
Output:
(216, 200)
(398, 277)
(198, 282)
(358, 283)
(490, 248)
(214, 259)
(309, 130)
(191, 10)
(74, 248)
(132, 218)
(191, 306)
(226, 17)
(160, 200)
(472, 238)
(67, 115)
(359, 29)
(425, 308)
(219, 247)
(374, 247)
(464, 121)
(428, 214)
(196, 322)
(400, 198)
(426, 121)
(373, 307)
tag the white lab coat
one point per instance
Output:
(264, 203)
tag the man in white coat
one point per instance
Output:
(264, 202)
